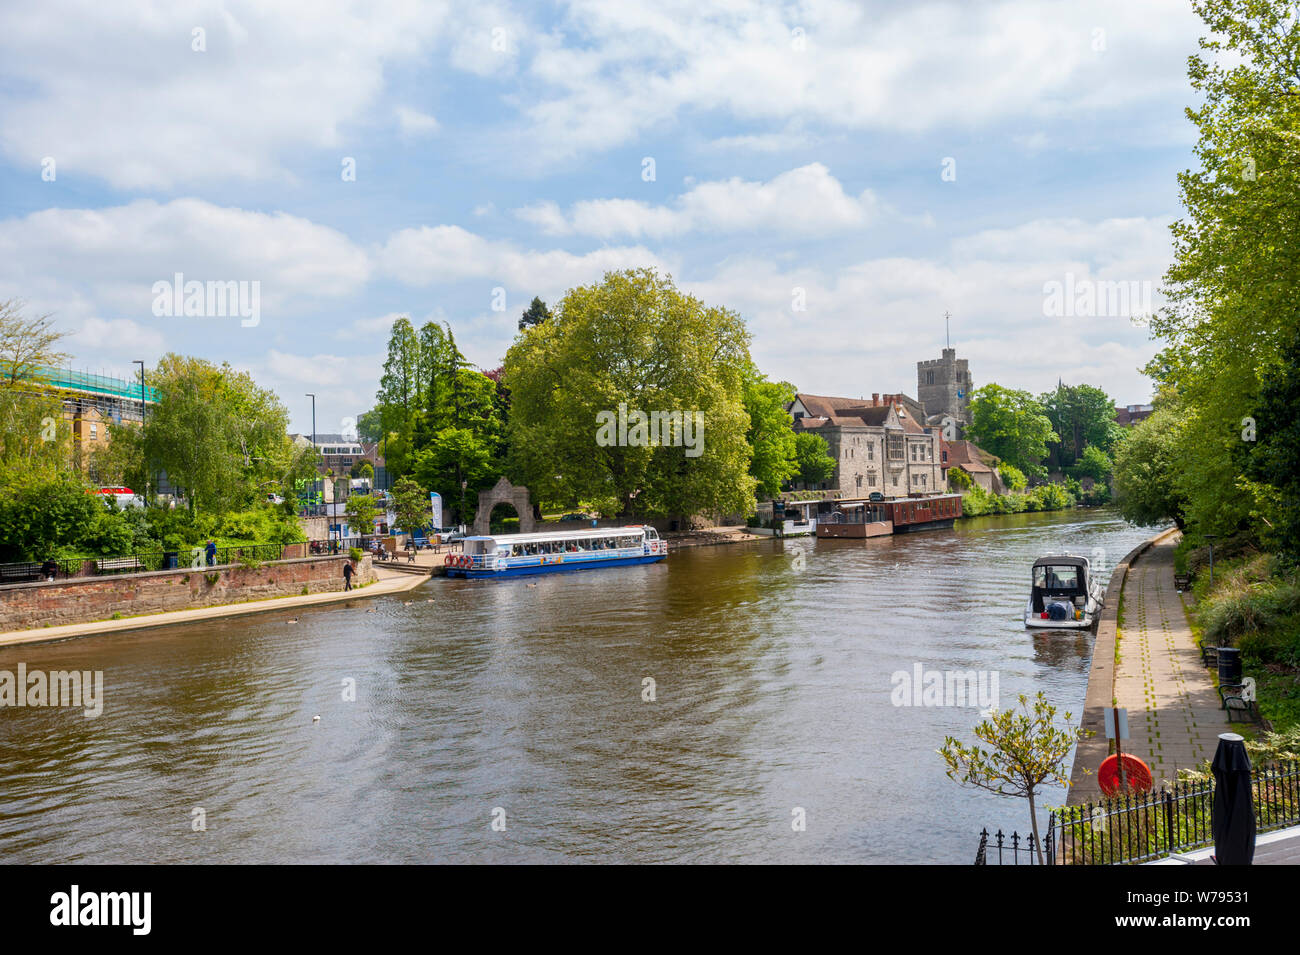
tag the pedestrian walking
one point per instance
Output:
(212, 553)
(347, 575)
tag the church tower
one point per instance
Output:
(943, 386)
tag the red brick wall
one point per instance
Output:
(84, 600)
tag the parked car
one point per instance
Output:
(574, 517)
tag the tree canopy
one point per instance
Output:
(1011, 425)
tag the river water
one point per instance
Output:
(521, 702)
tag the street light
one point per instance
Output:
(142, 420)
(313, 451)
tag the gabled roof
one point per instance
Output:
(967, 456)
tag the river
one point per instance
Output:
(521, 703)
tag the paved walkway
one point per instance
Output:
(1174, 717)
(387, 582)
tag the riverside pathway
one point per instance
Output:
(1174, 716)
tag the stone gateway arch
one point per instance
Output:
(503, 492)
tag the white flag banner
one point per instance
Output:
(436, 499)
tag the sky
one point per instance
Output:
(840, 174)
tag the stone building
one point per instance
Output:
(878, 445)
(943, 386)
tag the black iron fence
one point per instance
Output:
(144, 561)
(1134, 829)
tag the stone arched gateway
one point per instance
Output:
(503, 492)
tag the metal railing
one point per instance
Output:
(1133, 829)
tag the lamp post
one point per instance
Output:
(313, 451)
(142, 420)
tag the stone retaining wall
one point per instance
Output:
(85, 600)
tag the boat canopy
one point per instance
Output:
(1066, 560)
(635, 530)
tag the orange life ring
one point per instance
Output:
(1136, 773)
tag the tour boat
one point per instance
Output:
(1063, 595)
(515, 555)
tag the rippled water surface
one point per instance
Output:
(772, 665)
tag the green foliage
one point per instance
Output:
(771, 440)
(1147, 469)
(1011, 425)
(412, 508)
(41, 512)
(632, 340)
(361, 511)
(978, 502)
(1234, 287)
(1094, 463)
(355, 554)
(1274, 457)
(1013, 479)
(535, 314)
(959, 480)
(1023, 750)
(1083, 417)
(813, 455)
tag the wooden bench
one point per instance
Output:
(114, 564)
(1232, 699)
(19, 573)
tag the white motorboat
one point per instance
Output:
(1063, 595)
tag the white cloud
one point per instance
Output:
(117, 91)
(102, 263)
(414, 123)
(624, 70)
(808, 201)
(430, 254)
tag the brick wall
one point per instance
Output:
(84, 600)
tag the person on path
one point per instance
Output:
(212, 553)
(347, 575)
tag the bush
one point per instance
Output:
(1012, 477)
(356, 553)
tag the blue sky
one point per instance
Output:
(796, 146)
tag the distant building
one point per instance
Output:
(339, 454)
(878, 445)
(90, 404)
(1129, 415)
(943, 386)
(978, 464)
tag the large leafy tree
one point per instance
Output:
(1011, 425)
(535, 314)
(221, 440)
(632, 341)
(1147, 468)
(411, 506)
(1082, 416)
(1274, 457)
(770, 437)
(813, 456)
(1234, 287)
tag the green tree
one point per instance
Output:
(1147, 467)
(632, 344)
(1082, 416)
(1094, 463)
(1234, 287)
(361, 511)
(411, 505)
(1013, 479)
(1274, 456)
(813, 455)
(1011, 425)
(534, 315)
(455, 455)
(26, 344)
(771, 438)
(1026, 751)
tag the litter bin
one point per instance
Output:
(1229, 665)
(171, 559)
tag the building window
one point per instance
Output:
(94, 431)
(859, 480)
(895, 444)
(871, 450)
(929, 377)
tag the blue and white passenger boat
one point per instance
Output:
(515, 555)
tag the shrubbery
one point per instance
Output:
(1046, 497)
